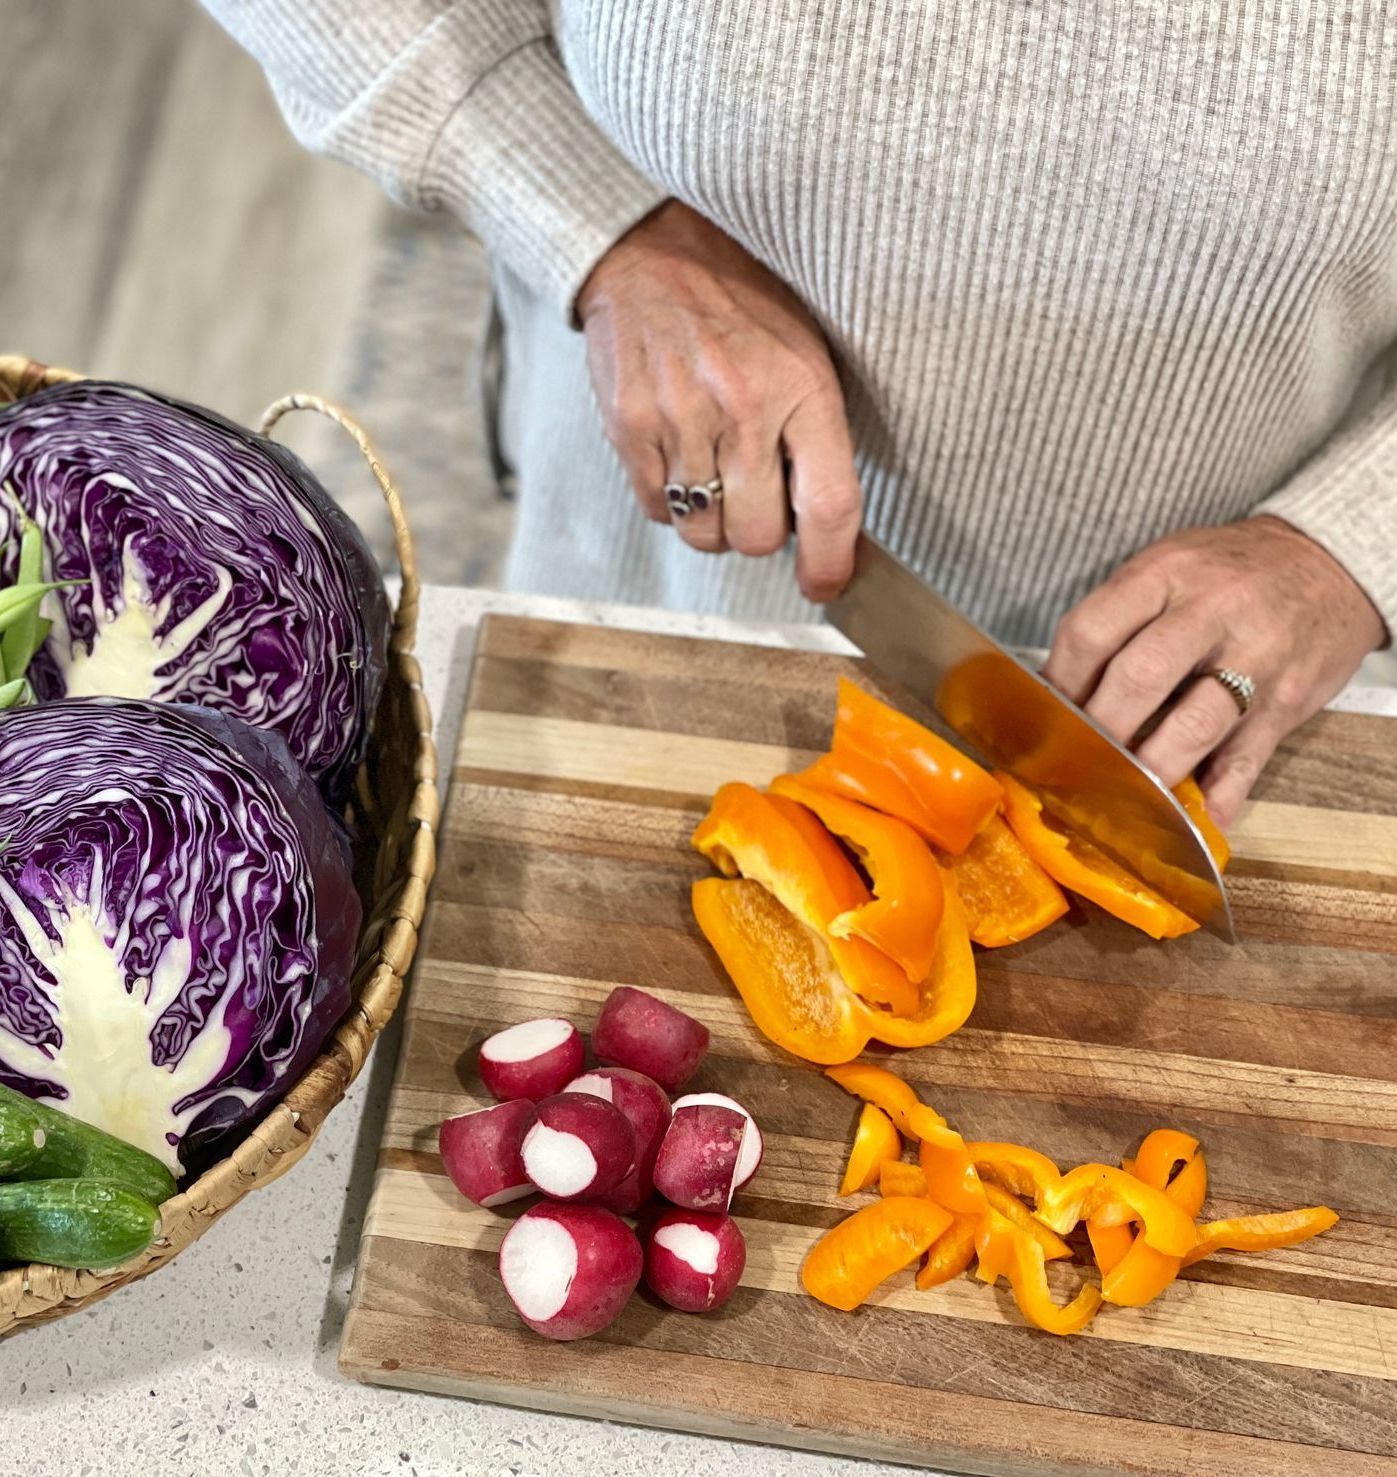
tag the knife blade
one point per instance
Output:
(1016, 721)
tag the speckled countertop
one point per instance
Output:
(224, 1362)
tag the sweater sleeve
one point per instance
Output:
(1345, 498)
(460, 105)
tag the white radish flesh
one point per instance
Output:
(533, 1060)
(637, 1030)
(694, 1260)
(697, 1163)
(581, 1146)
(481, 1152)
(749, 1160)
(569, 1269)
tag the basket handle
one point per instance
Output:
(405, 623)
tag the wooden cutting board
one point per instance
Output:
(587, 757)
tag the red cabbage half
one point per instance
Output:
(215, 569)
(177, 918)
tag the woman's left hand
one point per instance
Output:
(1256, 596)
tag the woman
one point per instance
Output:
(1080, 307)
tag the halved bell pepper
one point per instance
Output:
(1261, 1232)
(1082, 867)
(1113, 1197)
(776, 842)
(1008, 897)
(875, 1142)
(905, 914)
(955, 797)
(848, 1262)
(951, 1253)
(897, 1178)
(1022, 1170)
(1023, 1219)
(1029, 1278)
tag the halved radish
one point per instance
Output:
(481, 1152)
(694, 1259)
(581, 1146)
(638, 1031)
(697, 1163)
(646, 1107)
(568, 1269)
(749, 1160)
(531, 1060)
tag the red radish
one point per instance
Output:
(750, 1158)
(481, 1152)
(568, 1269)
(646, 1107)
(531, 1060)
(581, 1146)
(694, 1260)
(638, 1031)
(697, 1163)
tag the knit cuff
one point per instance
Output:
(1345, 498)
(521, 162)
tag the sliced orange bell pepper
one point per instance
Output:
(868, 781)
(995, 1239)
(1109, 1244)
(885, 1090)
(1023, 1219)
(950, 1172)
(1084, 868)
(847, 1263)
(1023, 1171)
(953, 796)
(1161, 1150)
(776, 842)
(950, 1254)
(905, 914)
(1143, 1272)
(897, 1178)
(1187, 793)
(1261, 1232)
(1008, 897)
(1113, 1197)
(875, 1141)
(783, 970)
(1029, 1278)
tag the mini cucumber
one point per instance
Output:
(74, 1223)
(74, 1150)
(21, 1135)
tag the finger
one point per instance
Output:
(1233, 770)
(1190, 731)
(1098, 626)
(1146, 670)
(692, 461)
(825, 495)
(756, 514)
(645, 466)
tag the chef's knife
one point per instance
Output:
(1020, 723)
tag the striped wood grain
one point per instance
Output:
(586, 757)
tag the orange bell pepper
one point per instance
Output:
(1082, 867)
(771, 840)
(1008, 897)
(885, 1090)
(897, 1178)
(783, 970)
(1029, 1278)
(951, 1179)
(1109, 1244)
(1139, 1275)
(1160, 1152)
(954, 796)
(1023, 1171)
(1023, 1219)
(847, 1263)
(951, 1253)
(1187, 793)
(905, 914)
(1261, 1232)
(869, 782)
(1113, 1197)
(875, 1141)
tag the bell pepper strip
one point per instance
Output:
(958, 794)
(776, 842)
(1082, 867)
(869, 782)
(847, 1263)
(1021, 1170)
(875, 1141)
(1113, 1197)
(946, 996)
(1028, 1277)
(1261, 1232)
(1189, 1188)
(1142, 1273)
(996, 1237)
(905, 914)
(885, 1090)
(1007, 896)
(1109, 1244)
(950, 1254)
(897, 1178)
(1023, 1219)
(783, 970)
(950, 1172)
(1160, 1152)
(1187, 793)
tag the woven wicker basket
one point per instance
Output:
(395, 815)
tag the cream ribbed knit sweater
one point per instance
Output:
(1093, 270)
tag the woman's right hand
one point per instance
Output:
(706, 366)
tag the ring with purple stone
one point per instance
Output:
(706, 495)
(677, 496)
